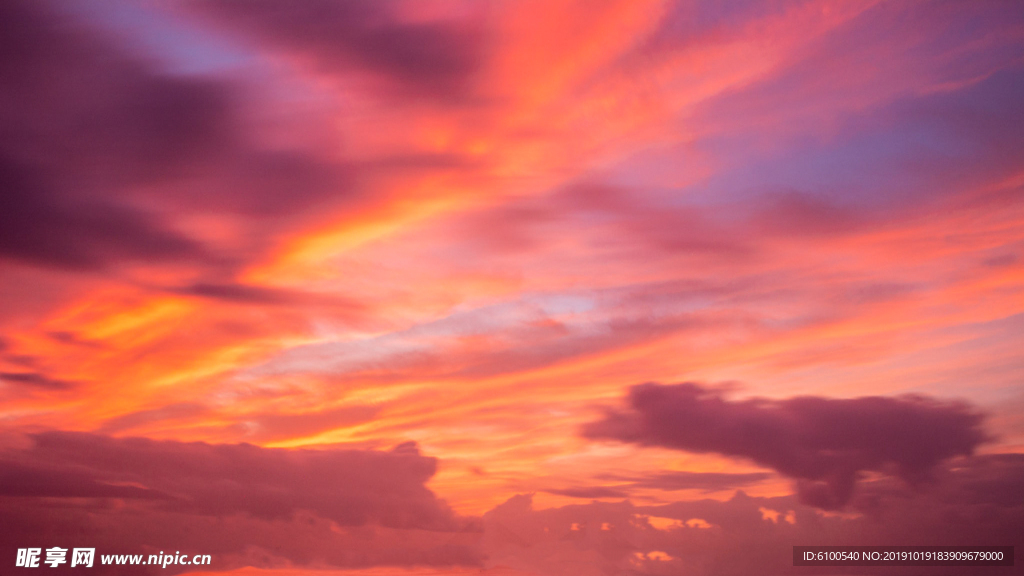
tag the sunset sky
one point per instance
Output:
(510, 288)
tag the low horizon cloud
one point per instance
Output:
(244, 504)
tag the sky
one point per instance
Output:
(510, 288)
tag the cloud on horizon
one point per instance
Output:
(341, 507)
(973, 501)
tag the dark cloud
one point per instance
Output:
(79, 125)
(437, 58)
(37, 226)
(269, 184)
(23, 360)
(349, 487)
(113, 117)
(334, 506)
(62, 482)
(36, 380)
(589, 492)
(76, 101)
(973, 501)
(706, 481)
(792, 213)
(1002, 260)
(822, 443)
(239, 293)
(101, 151)
(626, 485)
(66, 337)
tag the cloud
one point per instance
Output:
(590, 492)
(120, 119)
(709, 189)
(90, 122)
(107, 153)
(822, 443)
(625, 485)
(38, 226)
(706, 481)
(222, 499)
(247, 294)
(971, 502)
(345, 486)
(41, 481)
(240, 293)
(599, 210)
(70, 338)
(436, 58)
(35, 380)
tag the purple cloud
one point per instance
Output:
(706, 481)
(822, 443)
(589, 492)
(336, 506)
(438, 58)
(35, 380)
(101, 151)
